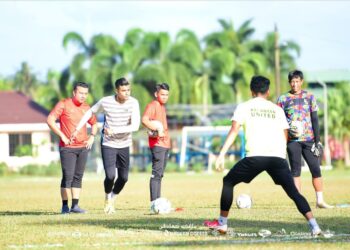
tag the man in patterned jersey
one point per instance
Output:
(73, 153)
(265, 128)
(300, 108)
(122, 116)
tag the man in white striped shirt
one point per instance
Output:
(122, 116)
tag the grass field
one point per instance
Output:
(29, 215)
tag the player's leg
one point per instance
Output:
(109, 159)
(314, 165)
(165, 156)
(243, 171)
(68, 160)
(158, 163)
(280, 173)
(82, 155)
(123, 165)
(294, 155)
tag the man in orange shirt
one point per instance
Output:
(159, 140)
(73, 153)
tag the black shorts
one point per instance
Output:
(249, 167)
(297, 149)
(73, 161)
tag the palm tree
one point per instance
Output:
(242, 62)
(289, 50)
(93, 63)
(25, 80)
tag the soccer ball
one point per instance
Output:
(244, 201)
(158, 125)
(161, 206)
(296, 128)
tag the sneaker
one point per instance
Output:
(216, 226)
(323, 205)
(78, 210)
(109, 206)
(316, 231)
(65, 209)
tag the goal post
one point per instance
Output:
(205, 131)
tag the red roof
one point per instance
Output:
(15, 107)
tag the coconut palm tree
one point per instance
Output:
(25, 80)
(93, 63)
(242, 62)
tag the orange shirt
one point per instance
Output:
(156, 111)
(69, 112)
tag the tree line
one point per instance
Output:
(215, 69)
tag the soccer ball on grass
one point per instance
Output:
(244, 201)
(161, 206)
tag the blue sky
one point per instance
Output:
(32, 31)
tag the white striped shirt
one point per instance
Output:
(120, 118)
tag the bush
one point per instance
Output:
(338, 164)
(198, 167)
(171, 167)
(24, 150)
(53, 169)
(4, 170)
(32, 170)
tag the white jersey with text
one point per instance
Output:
(264, 123)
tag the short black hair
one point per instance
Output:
(80, 84)
(259, 84)
(121, 82)
(295, 74)
(160, 86)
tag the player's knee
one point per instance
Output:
(66, 182)
(123, 179)
(110, 177)
(227, 181)
(296, 172)
(156, 176)
(77, 183)
(316, 172)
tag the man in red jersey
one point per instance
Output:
(73, 153)
(154, 118)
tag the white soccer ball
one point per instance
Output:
(244, 201)
(297, 128)
(161, 206)
(158, 125)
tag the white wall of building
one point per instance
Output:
(41, 142)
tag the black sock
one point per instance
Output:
(75, 202)
(64, 202)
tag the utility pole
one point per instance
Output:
(326, 144)
(277, 64)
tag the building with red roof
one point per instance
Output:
(25, 138)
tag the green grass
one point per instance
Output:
(29, 215)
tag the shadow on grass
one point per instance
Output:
(19, 213)
(175, 224)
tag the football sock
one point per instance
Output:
(313, 223)
(75, 202)
(319, 197)
(109, 196)
(222, 220)
(113, 195)
(64, 202)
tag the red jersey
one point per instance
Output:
(69, 112)
(156, 111)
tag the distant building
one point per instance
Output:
(330, 77)
(25, 138)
